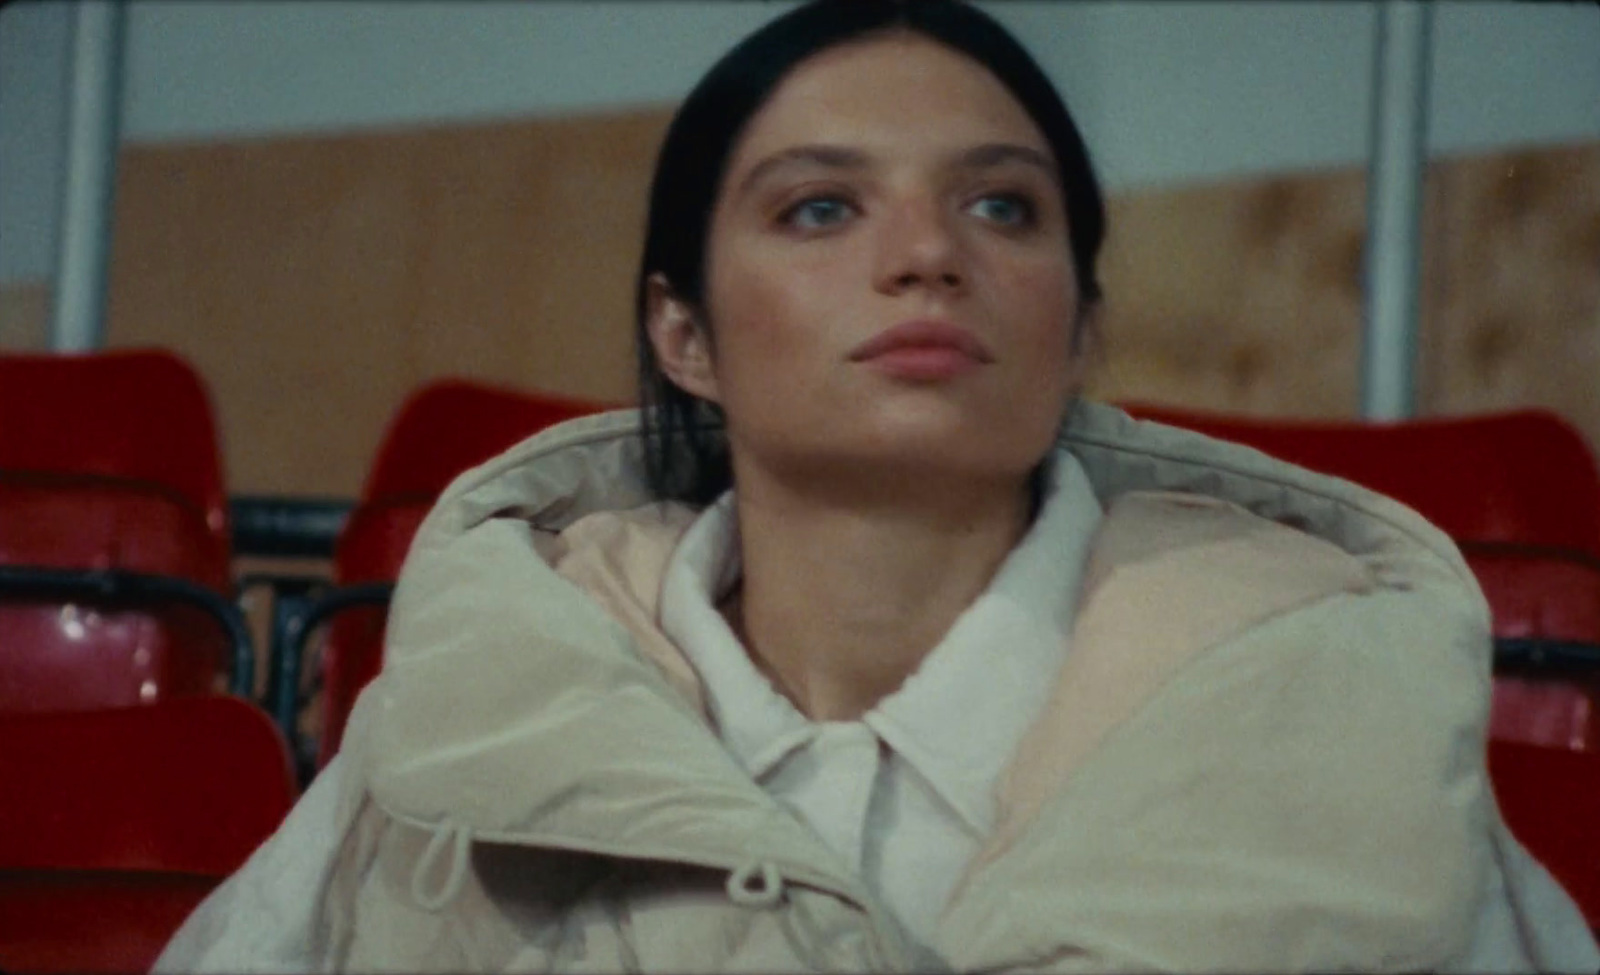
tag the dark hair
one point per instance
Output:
(685, 457)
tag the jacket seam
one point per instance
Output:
(1277, 481)
(619, 425)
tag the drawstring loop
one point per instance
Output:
(460, 843)
(755, 884)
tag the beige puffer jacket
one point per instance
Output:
(1265, 751)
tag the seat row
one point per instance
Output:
(139, 764)
(117, 539)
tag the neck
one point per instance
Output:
(842, 599)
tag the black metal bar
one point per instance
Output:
(282, 526)
(1541, 656)
(290, 598)
(335, 601)
(289, 644)
(31, 581)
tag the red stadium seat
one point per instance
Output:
(440, 431)
(1523, 477)
(116, 823)
(370, 550)
(1520, 493)
(450, 425)
(109, 466)
(142, 415)
(1550, 798)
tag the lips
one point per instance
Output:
(928, 338)
(922, 351)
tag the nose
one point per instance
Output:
(918, 248)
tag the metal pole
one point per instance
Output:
(79, 309)
(1394, 208)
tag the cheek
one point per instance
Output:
(1042, 298)
(771, 316)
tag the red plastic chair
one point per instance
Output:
(1520, 493)
(141, 414)
(109, 466)
(1550, 798)
(450, 425)
(440, 431)
(1524, 477)
(115, 824)
(367, 562)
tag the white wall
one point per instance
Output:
(33, 77)
(1176, 91)
(199, 70)
(1515, 73)
(1166, 92)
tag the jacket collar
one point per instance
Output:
(1027, 610)
(595, 463)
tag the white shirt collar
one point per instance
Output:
(961, 715)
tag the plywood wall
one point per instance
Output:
(1246, 296)
(1513, 311)
(1242, 297)
(314, 281)
(25, 316)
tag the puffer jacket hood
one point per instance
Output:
(1265, 750)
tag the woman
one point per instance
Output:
(854, 656)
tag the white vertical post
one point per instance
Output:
(79, 307)
(1394, 208)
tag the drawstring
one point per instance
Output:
(759, 884)
(756, 883)
(460, 847)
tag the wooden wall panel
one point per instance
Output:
(25, 316)
(1240, 297)
(1514, 311)
(1246, 296)
(315, 281)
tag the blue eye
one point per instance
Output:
(1009, 209)
(817, 212)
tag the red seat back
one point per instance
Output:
(1550, 797)
(1523, 477)
(1543, 596)
(116, 823)
(1518, 491)
(371, 548)
(141, 415)
(450, 425)
(109, 461)
(440, 431)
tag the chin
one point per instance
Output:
(997, 440)
(942, 453)
(935, 438)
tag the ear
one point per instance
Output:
(682, 345)
(1086, 349)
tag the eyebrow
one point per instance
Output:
(993, 154)
(829, 157)
(985, 156)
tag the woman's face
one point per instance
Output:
(889, 281)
